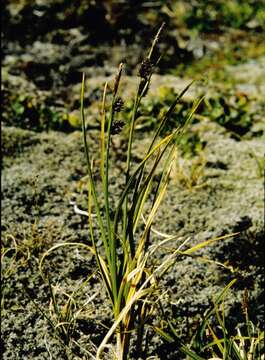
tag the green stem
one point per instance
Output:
(137, 101)
(127, 175)
(90, 175)
(111, 235)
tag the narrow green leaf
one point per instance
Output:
(190, 353)
(198, 339)
(163, 334)
(206, 243)
(89, 168)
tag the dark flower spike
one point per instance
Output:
(118, 105)
(116, 127)
(145, 69)
(117, 80)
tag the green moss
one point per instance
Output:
(28, 112)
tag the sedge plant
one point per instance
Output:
(124, 254)
(123, 265)
(123, 259)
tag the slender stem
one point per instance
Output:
(90, 175)
(91, 229)
(132, 126)
(102, 132)
(128, 245)
(155, 41)
(111, 235)
(128, 166)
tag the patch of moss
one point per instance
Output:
(28, 112)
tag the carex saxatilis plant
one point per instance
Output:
(123, 263)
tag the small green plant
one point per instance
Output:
(215, 340)
(233, 112)
(213, 15)
(29, 112)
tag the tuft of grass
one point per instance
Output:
(125, 250)
(189, 173)
(123, 268)
(216, 341)
(129, 279)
